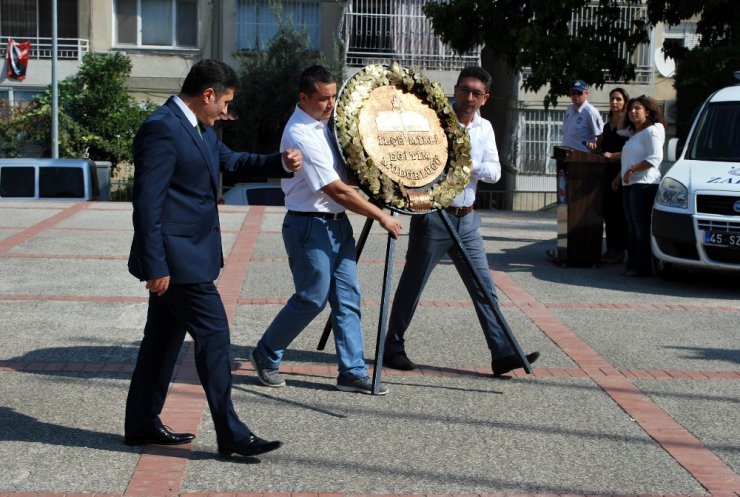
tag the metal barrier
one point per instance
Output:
(519, 201)
(67, 48)
(121, 190)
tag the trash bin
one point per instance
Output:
(580, 179)
(103, 169)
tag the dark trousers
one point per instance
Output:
(638, 209)
(429, 241)
(615, 223)
(198, 310)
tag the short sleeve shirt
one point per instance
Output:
(581, 125)
(321, 165)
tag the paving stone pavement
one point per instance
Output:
(636, 392)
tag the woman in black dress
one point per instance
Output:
(610, 143)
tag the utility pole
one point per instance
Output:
(54, 89)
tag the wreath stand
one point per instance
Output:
(385, 297)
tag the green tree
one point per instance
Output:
(97, 116)
(269, 89)
(536, 34)
(708, 66)
(97, 99)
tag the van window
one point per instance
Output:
(17, 182)
(61, 182)
(718, 134)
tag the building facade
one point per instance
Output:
(164, 38)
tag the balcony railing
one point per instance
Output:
(383, 31)
(642, 57)
(67, 48)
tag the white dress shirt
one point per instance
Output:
(185, 110)
(484, 156)
(321, 165)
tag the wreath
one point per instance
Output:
(372, 180)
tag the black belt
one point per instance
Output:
(459, 211)
(322, 215)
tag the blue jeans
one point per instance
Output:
(321, 254)
(638, 208)
(428, 242)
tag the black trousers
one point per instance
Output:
(638, 208)
(196, 309)
(615, 223)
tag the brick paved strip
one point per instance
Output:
(684, 447)
(641, 307)
(467, 304)
(65, 256)
(688, 451)
(308, 369)
(323, 494)
(13, 241)
(72, 298)
(161, 470)
(727, 493)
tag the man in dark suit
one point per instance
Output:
(177, 250)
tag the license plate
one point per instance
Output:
(731, 240)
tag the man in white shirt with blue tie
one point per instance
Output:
(429, 240)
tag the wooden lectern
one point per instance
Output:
(580, 220)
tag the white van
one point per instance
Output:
(696, 214)
(48, 179)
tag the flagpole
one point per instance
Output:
(54, 90)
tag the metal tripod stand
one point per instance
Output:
(385, 298)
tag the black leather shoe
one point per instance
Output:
(253, 446)
(398, 360)
(503, 366)
(160, 436)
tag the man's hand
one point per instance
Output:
(159, 285)
(293, 159)
(391, 224)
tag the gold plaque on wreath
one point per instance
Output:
(398, 134)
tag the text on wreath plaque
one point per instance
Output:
(403, 136)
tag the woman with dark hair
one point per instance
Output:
(610, 143)
(640, 175)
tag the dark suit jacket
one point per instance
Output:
(176, 173)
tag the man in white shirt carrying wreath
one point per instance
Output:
(319, 241)
(429, 240)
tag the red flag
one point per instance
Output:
(17, 55)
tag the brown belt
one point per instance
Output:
(459, 211)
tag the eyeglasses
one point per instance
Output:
(469, 91)
(574, 93)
